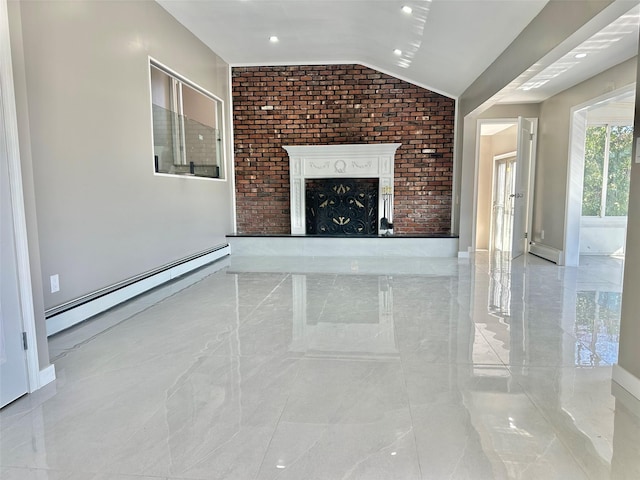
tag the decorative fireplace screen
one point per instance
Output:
(346, 206)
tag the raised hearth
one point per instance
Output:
(344, 245)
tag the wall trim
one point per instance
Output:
(71, 313)
(231, 166)
(47, 375)
(626, 380)
(10, 125)
(548, 253)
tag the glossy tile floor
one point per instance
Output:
(334, 368)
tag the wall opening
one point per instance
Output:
(598, 178)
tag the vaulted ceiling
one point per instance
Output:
(443, 45)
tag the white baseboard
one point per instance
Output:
(548, 253)
(47, 375)
(626, 380)
(84, 311)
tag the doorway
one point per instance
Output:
(598, 177)
(503, 209)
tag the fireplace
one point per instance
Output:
(344, 162)
(341, 206)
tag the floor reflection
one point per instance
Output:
(597, 327)
(352, 315)
(552, 328)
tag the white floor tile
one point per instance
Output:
(340, 368)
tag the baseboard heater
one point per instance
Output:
(82, 308)
(544, 251)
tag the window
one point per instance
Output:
(187, 127)
(607, 168)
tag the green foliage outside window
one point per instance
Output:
(619, 171)
(618, 165)
(593, 169)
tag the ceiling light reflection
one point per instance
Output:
(419, 14)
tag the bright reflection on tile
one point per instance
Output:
(359, 368)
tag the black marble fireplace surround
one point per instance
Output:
(341, 206)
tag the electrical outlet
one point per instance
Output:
(55, 283)
(542, 235)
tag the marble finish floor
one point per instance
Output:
(259, 368)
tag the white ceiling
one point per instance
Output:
(446, 44)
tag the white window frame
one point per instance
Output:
(176, 92)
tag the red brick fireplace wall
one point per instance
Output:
(338, 104)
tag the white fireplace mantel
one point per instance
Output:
(339, 161)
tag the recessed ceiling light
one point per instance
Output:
(580, 55)
(397, 51)
(407, 9)
(273, 39)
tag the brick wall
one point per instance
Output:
(338, 104)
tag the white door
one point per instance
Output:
(13, 360)
(521, 194)
(503, 203)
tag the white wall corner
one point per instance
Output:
(627, 380)
(463, 254)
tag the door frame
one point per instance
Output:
(575, 172)
(530, 183)
(9, 126)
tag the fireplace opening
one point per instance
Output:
(341, 206)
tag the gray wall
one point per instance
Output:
(553, 149)
(552, 27)
(552, 156)
(538, 39)
(629, 354)
(102, 214)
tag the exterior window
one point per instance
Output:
(607, 168)
(187, 127)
